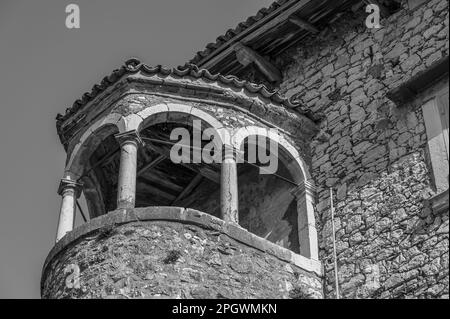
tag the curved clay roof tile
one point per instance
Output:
(133, 65)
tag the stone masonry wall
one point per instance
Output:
(170, 252)
(373, 153)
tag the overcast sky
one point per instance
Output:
(45, 67)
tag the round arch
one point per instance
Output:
(303, 193)
(178, 113)
(116, 123)
(89, 141)
(289, 155)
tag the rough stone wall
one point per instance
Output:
(171, 259)
(373, 153)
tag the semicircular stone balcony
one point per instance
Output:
(196, 185)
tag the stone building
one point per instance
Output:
(358, 112)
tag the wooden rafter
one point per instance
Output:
(154, 190)
(194, 182)
(384, 12)
(255, 31)
(153, 163)
(245, 56)
(81, 211)
(205, 171)
(106, 159)
(153, 176)
(303, 24)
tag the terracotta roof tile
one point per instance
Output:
(133, 65)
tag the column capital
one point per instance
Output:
(129, 137)
(304, 188)
(68, 184)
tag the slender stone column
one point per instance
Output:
(126, 187)
(307, 232)
(70, 191)
(229, 186)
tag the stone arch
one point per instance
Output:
(78, 160)
(178, 113)
(291, 159)
(303, 193)
(89, 141)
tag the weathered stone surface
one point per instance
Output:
(389, 243)
(170, 252)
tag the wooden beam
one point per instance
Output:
(142, 153)
(154, 177)
(299, 38)
(269, 22)
(194, 182)
(157, 191)
(409, 90)
(81, 211)
(245, 56)
(204, 170)
(103, 161)
(153, 163)
(303, 24)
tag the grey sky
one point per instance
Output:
(44, 68)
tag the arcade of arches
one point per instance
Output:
(122, 160)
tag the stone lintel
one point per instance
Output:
(408, 90)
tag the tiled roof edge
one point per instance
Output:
(241, 27)
(133, 65)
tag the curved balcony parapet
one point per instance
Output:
(283, 266)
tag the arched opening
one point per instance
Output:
(93, 162)
(101, 177)
(267, 207)
(275, 197)
(161, 179)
